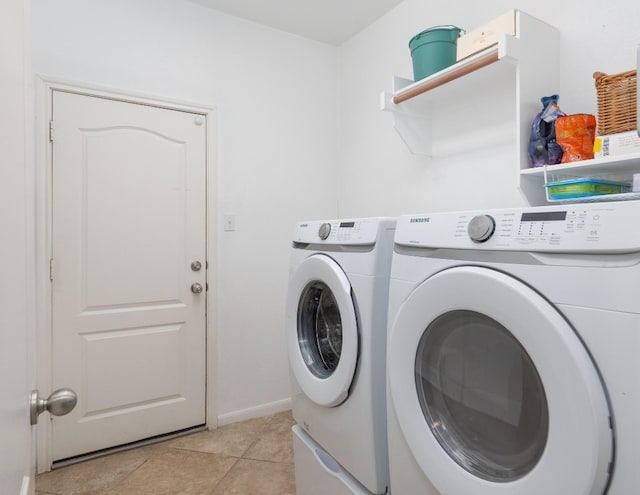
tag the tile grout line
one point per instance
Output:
(115, 484)
(259, 435)
(268, 424)
(226, 474)
(266, 460)
(242, 456)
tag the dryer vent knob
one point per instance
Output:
(324, 230)
(481, 228)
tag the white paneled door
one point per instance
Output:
(17, 347)
(128, 270)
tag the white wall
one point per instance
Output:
(292, 110)
(277, 96)
(379, 176)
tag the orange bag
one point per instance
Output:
(575, 134)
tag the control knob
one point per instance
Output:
(481, 228)
(324, 230)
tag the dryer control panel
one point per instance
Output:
(591, 227)
(357, 231)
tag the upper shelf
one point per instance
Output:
(490, 82)
(482, 107)
(480, 65)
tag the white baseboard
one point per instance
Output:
(26, 488)
(255, 412)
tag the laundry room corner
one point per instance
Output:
(257, 248)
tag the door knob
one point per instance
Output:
(196, 288)
(59, 403)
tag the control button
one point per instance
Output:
(481, 228)
(324, 230)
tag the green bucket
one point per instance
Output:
(433, 49)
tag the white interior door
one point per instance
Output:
(17, 371)
(128, 221)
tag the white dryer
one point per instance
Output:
(336, 318)
(513, 352)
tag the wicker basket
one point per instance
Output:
(617, 97)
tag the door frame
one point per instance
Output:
(43, 250)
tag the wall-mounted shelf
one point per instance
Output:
(617, 168)
(416, 105)
(620, 164)
(405, 89)
(476, 62)
(485, 100)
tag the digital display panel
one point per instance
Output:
(544, 216)
(347, 224)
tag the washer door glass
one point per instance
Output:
(319, 329)
(481, 396)
(322, 330)
(493, 390)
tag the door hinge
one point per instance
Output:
(51, 269)
(51, 131)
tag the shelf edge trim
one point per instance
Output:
(448, 76)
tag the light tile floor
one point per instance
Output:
(253, 457)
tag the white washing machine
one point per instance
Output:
(514, 352)
(336, 318)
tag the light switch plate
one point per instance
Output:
(229, 222)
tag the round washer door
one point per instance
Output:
(494, 391)
(322, 330)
